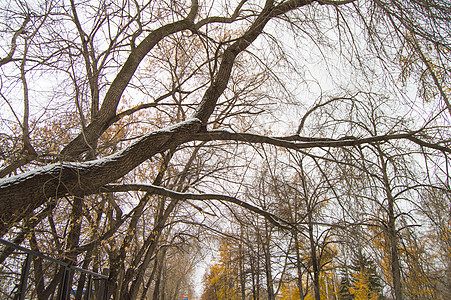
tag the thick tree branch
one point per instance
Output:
(32, 189)
(21, 194)
(296, 142)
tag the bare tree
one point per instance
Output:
(89, 177)
(115, 111)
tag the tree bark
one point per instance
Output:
(313, 256)
(298, 266)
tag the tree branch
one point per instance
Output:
(296, 142)
(275, 220)
(21, 30)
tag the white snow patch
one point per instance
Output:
(56, 167)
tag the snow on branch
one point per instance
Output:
(275, 220)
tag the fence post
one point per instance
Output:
(24, 277)
(105, 291)
(65, 284)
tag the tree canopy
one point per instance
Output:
(131, 128)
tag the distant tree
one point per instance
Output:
(366, 283)
(344, 292)
(221, 280)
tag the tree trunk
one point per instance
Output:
(298, 267)
(241, 268)
(149, 281)
(159, 273)
(316, 285)
(391, 230)
(140, 271)
(268, 265)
